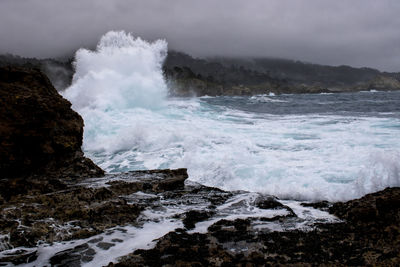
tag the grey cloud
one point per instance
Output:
(357, 32)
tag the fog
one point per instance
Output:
(357, 33)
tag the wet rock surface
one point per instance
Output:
(78, 212)
(19, 256)
(194, 216)
(40, 135)
(212, 227)
(88, 218)
(369, 234)
(86, 210)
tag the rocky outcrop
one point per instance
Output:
(369, 234)
(76, 211)
(39, 132)
(184, 82)
(379, 209)
(58, 71)
(93, 209)
(380, 83)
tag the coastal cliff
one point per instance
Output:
(190, 76)
(187, 76)
(40, 134)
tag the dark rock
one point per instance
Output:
(271, 202)
(95, 240)
(231, 231)
(93, 210)
(214, 195)
(194, 216)
(105, 245)
(158, 181)
(267, 202)
(60, 72)
(88, 255)
(323, 205)
(174, 180)
(21, 186)
(175, 249)
(31, 218)
(40, 134)
(369, 235)
(379, 208)
(72, 257)
(19, 257)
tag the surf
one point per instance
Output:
(131, 124)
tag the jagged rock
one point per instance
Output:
(20, 256)
(105, 245)
(73, 256)
(21, 186)
(323, 205)
(369, 235)
(30, 218)
(194, 216)
(40, 135)
(267, 202)
(39, 131)
(271, 202)
(158, 181)
(381, 208)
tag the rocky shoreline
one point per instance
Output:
(40, 133)
(74, 211)
(211, 227)
(58, 208)
(368, 234)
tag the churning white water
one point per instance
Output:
(232, 143)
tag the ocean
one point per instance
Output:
(299, 148)
(312, 147)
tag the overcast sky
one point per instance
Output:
(334, 32)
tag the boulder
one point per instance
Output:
(39, 132)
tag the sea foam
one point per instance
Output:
(123, 72)
(120, 91)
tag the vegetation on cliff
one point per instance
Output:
(230, 76)
(189, 76)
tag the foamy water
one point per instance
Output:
(297, 147)
(300, 152)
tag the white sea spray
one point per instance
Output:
(120, 91)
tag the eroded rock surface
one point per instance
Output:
(368, 235)
(212, 227)
(39, 132)
(78, 211)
